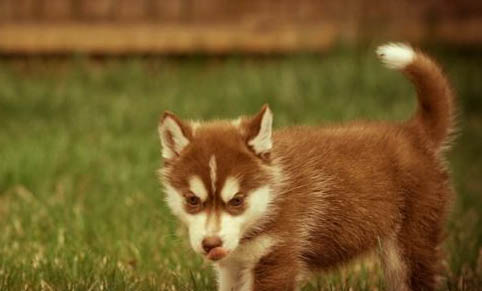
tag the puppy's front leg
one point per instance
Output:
(235, 276)
(276, 271)
(228, 276)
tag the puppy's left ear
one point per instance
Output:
(258, 132)
(175, 135)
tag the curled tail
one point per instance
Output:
(435, 112)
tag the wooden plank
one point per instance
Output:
(129, 10)
(149, 38)
(165, 11)
(56, 10)
(6, 10)
(462, 31)
(26, 10)
(95, 10)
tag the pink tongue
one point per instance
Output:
(217, 254)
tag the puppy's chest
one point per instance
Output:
(251, 251)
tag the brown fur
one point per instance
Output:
(344, 189)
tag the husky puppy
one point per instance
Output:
(270, 207)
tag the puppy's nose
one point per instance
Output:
(211, 242)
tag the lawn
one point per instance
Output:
(80, 204)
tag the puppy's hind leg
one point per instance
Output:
(423, 263)
(394, 266)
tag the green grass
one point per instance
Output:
(80, 204)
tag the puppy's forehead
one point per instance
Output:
(217, 149)
(216, 152)
(227, 188)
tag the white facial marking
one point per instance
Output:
(175, 201)
(196, 186)
(232, 228)
(259, 202)
(196, 223)
(230, 231)
(396, 55)
(262, 143)
(211, 226)
(179, 141)
(230, 188)
(197, 230)
(212, 172)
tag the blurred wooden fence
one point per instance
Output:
(220, 26)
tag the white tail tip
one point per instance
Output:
(396, 55)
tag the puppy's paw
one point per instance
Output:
(396, 55)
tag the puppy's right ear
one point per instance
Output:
(258, 130)
(175, 135)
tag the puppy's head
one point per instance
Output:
(217, 177)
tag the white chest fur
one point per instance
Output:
(236, 272)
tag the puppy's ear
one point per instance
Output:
(175, 135)
(258, 130)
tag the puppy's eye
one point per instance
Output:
(193, 200)
(237, 200)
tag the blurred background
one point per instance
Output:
(220, 26)
(83, 83)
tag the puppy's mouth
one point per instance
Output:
(216, 254)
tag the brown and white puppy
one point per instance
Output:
(268, 208)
